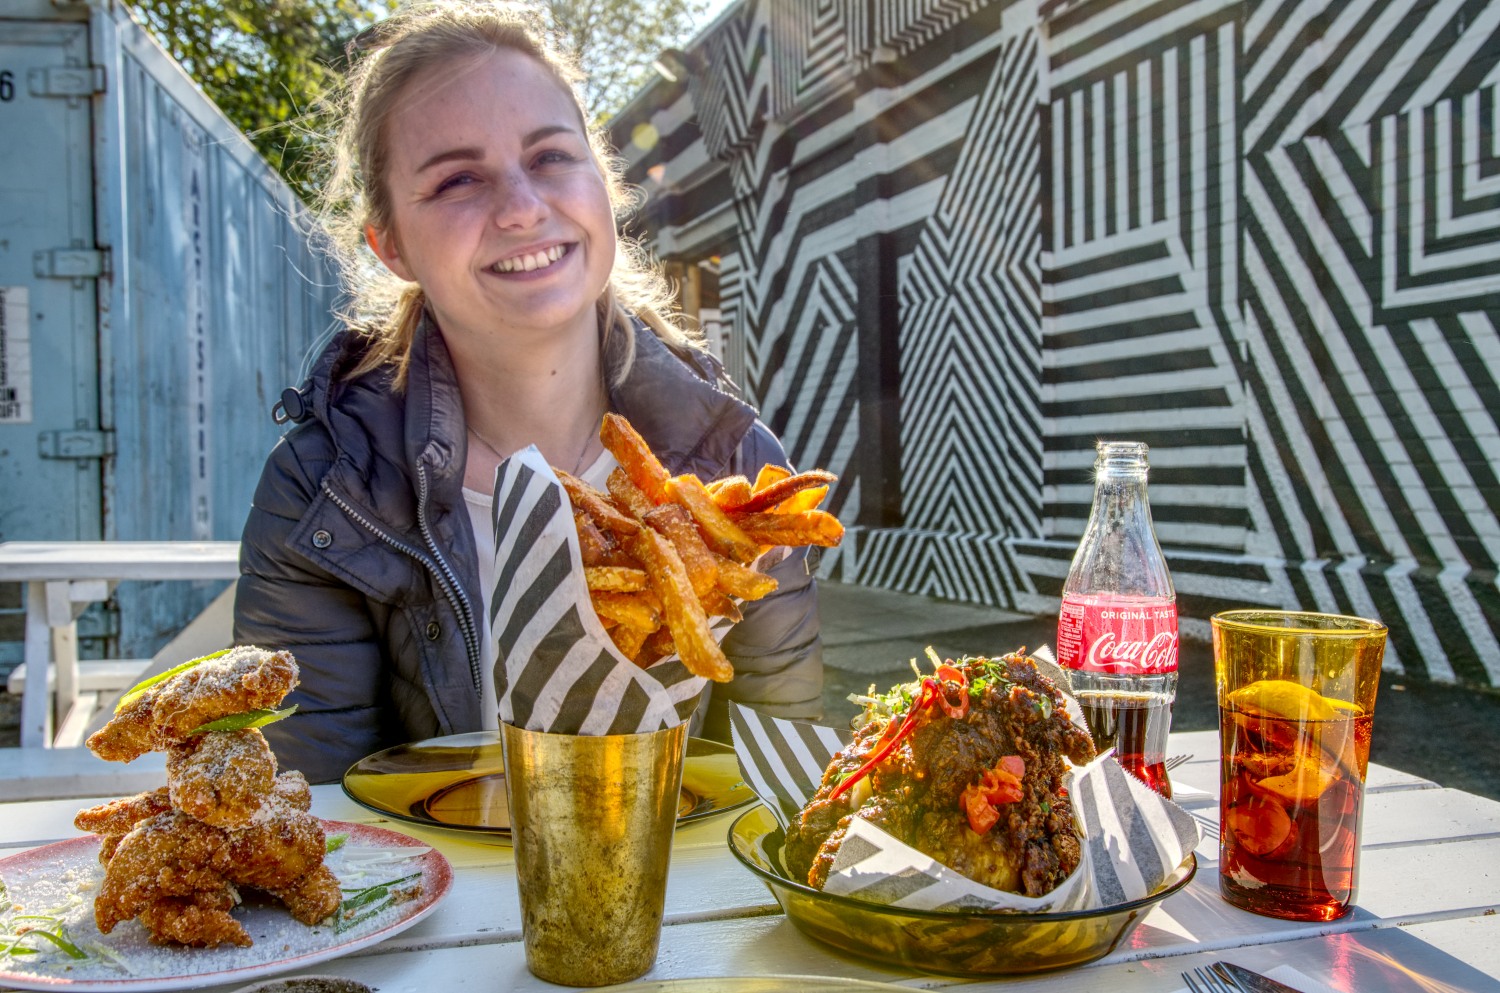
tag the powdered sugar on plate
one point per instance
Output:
(62, 880)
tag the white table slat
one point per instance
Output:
(22, 561)
(1453, 956)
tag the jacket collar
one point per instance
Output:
(680, 402)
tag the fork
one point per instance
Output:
(1208, 981)
(1174, 761)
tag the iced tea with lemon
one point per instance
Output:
(1293, 781)
(1296, 696)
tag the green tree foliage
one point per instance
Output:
(266, 63)
(616, 42)
(269, 63)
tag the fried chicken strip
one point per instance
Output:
(169, 855)
(119, 816)
(244, 678)
(201, 920)
(223, 778)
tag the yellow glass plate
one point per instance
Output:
(967, 943)
(458, 783)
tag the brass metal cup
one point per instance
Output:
(592, 818)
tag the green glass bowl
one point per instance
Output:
(963, 943)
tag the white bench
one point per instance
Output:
(100, 675)
(62, 578)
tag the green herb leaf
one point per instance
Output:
(68, 948)
(249, 719)
(334, 842)
(366, 903)
(135, 691)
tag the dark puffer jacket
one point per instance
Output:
(359, 557)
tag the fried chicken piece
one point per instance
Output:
(167, 855)
(292, 790)
(273, 853)
(223, 778)
(1013, 711)
(244, 678)
(127, 736)
(201, 920)
(313, 897)
(119, 816)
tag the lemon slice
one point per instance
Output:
(1281, 698)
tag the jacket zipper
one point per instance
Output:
(439, 568)
(455, 592)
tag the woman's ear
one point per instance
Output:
(383, 244)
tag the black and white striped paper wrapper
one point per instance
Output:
(1132, 837)
(557, 670)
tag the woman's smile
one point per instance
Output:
(538, 261)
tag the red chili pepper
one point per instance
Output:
(932, 689)
(948, 673)
(879, 753)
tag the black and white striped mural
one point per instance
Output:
(959, 240)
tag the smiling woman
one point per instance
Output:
(507, 313)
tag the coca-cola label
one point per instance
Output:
(1128, 638)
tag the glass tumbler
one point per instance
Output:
(1296, 696)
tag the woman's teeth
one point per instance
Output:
(526, 263)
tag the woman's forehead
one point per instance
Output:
(492, 97)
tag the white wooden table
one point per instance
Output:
(62, 578)
(1426, 917)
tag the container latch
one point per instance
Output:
(66, 81)
(75, 444)
(68, 263)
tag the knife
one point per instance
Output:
(1252, 982)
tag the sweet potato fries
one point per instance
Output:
(662, 554)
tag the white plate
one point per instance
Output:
(43, 878)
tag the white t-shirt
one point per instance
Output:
(480, 507)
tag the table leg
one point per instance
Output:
(36, 700)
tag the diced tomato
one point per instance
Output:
(999, 785)
(982, 813)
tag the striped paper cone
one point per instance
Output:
(557, 669)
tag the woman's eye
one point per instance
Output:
(555, 156)
(461, 179)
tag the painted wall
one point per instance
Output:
(959, 241)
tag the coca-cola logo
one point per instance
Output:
(1157, 654)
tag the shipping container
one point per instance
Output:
(158, 289)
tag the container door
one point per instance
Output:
(51, 448)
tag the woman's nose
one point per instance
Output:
(518, 201)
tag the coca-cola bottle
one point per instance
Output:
(1117, 630)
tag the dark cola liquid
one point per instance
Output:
(1135, 725)
(1292, 799)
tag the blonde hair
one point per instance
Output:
(396, 51)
